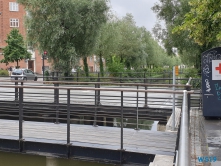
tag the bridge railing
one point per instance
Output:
(96, 99)
(99, 97)
(132, 77)
(67, 96)
(183, 156)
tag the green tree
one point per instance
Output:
(203, 22)
(107, 42)
(94, 16)
(173, 12)
(66, 29)
(126, 46)
(130, 48)
(15, 50)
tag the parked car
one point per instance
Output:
(24, 74)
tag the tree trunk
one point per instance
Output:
(101, 65)
(17, 64)
(86, 70)
(121, 59)
(67, 71)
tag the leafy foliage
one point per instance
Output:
(131, 47)
(115, 67)
(173, 13)
(203, 21)
(4, 72)
(107, 40)
(15, 50)
(66, 29)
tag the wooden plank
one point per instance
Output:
(142, 141)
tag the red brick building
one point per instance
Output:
(12, 16)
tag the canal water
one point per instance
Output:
(16, 159)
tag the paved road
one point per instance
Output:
(87, 96)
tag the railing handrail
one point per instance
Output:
(188, 83)
(184, 142)
(102, 83)
(100, 89)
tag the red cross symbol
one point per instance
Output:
(219, 68)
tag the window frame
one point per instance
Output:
(13, 7)
(14, 22)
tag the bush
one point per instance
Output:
(116, 69)
(192, 72)
(4, 73)
(46, 75)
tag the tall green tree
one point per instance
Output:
(107, 42)
(126, 46)
(130, 47)
(16, 49)
(67, 29)
(172, 12)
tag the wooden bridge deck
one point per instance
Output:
(141, 141)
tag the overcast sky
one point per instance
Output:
(140, 9)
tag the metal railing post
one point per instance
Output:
(122, 121)
(20, 112)
(188, 88)
(184, 143)
(20, 119)
(121, 131)
(137, 128)
(95, 107)
(68, 122)
(145, 98)
(68, 116)
(174, 111)
(56, 98)
(99, 92)
(16, 89)
(77, 76)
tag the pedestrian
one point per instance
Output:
(10, 70)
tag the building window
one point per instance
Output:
(14, 22)
(13, 6)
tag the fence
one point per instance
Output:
(93, 99)
(132, 77)
(66, 98)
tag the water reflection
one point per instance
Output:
(132, 123)
(15, 159)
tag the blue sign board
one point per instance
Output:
(211, 82)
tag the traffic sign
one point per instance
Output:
(176, 70)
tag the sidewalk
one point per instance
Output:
(205, 139)
(213, 133)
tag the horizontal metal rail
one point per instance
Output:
(101, 83)
(184, 136)
(101, 89)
